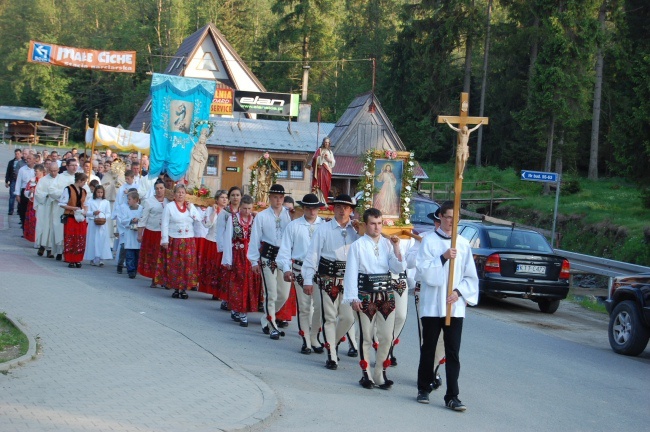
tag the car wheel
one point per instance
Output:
(627, 334)
(548, 306)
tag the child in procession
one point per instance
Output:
(98, 240)
(128, 220)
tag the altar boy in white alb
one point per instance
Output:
(368, 286)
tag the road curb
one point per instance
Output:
(31, 351)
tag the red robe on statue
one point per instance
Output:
(322, 173)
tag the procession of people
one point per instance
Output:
(348, 278)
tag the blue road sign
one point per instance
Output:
(546, 177)
(41, 53)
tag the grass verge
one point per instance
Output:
(13, 342)
(588, 302)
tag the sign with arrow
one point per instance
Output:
(538, 176)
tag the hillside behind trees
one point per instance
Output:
(553, 67)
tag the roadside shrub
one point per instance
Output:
(570, 187)
(645, 197)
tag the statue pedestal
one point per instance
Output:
(403, 231)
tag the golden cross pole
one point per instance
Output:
(462, 155)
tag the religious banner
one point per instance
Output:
(108, 61)
(222, 102)
(276, 104)
(180, 109)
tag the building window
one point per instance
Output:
(207, 63)
(212, 166)
(291, 169)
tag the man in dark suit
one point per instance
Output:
(10, 177)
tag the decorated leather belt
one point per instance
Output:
(269, 251)
(335, 269)
(297, 262)
(296, 266)
(372, 283)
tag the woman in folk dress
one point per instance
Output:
(225, 218)
(149, 233)
(210, 261)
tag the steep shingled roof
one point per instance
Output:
(228, 56)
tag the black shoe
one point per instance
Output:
(366, 383)
(119, 269)
(194, 289)
(260, 308)
(275, 335)
(224, 306)
(78, 265)
(437, 382)
(49, 254)
(305, 350)
(386, 385)
(59, 257)
(393, 361)
(71, 265)
(266, 330)
(243, 321)
(131, 275)
(235, 316)
(353, 352)
(282, 323)
(423, 397)
(455, 404)
(176, 294)
(41, 251)
(318, 349)
(10, 213)
(331, 365)
(183, 295)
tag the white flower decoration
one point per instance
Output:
(407, 221)
(408, 188)
(367, 194)
(410, 163)
(368, 174)
(407, 200)
(368, 186)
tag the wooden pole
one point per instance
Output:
(92, 147)
(462, 155)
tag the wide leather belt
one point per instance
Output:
(372, 283)
(297, 262)
(269, 251)
(331, 268)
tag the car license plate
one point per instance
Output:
(531, 269)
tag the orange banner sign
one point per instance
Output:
(222, 102)
(108, 61)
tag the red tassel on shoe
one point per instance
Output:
(268, 318)
(327, 345)
(386, 363)
(301, 333)
(363, 364)
(396, 342)
(375, 345)
(443, 360)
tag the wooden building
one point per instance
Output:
(29, 125)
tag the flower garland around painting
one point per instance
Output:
(367, 181)
(197, 126)
(266, 161)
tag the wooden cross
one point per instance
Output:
(462, 155)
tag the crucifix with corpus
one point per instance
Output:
(462, 155)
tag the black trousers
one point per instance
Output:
(431, 327)
(22, 207)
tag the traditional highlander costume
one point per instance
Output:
(324, 266)
(368, 280)
(151, 221)
(74, 230)
(243, 285)
(57, 186)
(268, 229)
(293, 249)
(210, 263)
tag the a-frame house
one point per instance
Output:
(205, 54)
(363, 126)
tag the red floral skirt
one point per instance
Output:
(177, 267)
(149, 251)
(290, 308)
(243, 285)
(30, 223)
(74, 240)
(209, 267)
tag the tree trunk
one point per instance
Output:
(549, 151)
(486, 54)
(595, 116)
(468, 54)
(533, 56)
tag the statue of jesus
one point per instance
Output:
(462, 150)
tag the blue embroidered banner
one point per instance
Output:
(177, 104)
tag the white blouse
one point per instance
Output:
(177, 224)
(152, 211)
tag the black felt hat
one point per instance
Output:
(278, 189)
(435, 216)
(311, 200)
(344, 199)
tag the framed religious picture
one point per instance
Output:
(388, 184)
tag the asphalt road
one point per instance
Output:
(521, 369)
